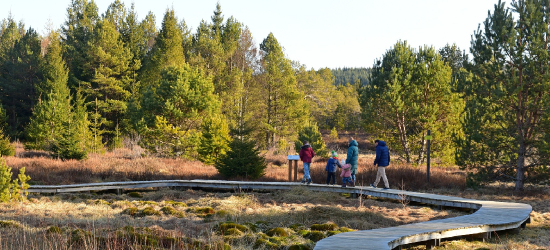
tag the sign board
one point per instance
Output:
(293, 157)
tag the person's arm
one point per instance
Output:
(377, 159)
(312, 153)
(338, 163)
(328, 163)
(350, 154)
(300, 154)
(388, 156)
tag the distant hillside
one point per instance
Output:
(350, 75)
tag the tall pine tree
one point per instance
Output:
(284, 109)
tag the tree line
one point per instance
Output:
(107, 76)
(182, 93)
(488, 114)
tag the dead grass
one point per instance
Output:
(101, 215)
(104, 213)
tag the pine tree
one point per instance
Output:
(214, 139)
(282, 103)
(173, 112)
(507, 96)
(6, 148)
(19, 75)
(108, 61)
(319, 91)
(410, 92)
(310, 132)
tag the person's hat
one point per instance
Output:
(334, 154)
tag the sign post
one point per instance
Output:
(429, 138)
(293, 158)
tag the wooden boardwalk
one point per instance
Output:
(490, 216)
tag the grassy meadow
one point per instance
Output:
(194, 219)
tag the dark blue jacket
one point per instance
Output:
(382, 155)
(332, 164)
(353, 156)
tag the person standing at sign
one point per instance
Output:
(306, 155)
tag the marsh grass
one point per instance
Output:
(98, 221)
(78, 221)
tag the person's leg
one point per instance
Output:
(306, 172)
(378, 175)
(383, 174)
(333, 178)
(328, 177)
(353, 177)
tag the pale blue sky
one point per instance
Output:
(344, 33)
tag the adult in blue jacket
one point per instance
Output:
(382, 160)
(353, 157)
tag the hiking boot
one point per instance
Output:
(344, 185)
(385, 188)
(303, 181)
(372, 185)
(309, 181)
(352, 184)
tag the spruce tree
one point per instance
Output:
(53, 107)
(166, 52)
(77, 31)
(243, 158)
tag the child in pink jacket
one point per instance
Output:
(346, 175)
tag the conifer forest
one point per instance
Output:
(106, 76)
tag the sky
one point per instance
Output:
(316, 33)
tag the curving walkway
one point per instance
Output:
(490, 216)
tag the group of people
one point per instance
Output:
(349, 166)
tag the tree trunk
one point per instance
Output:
(520, 168)
(403, 136)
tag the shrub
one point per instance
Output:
(333, 134)
(12, 190)
(9, 224)
(6, 148)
